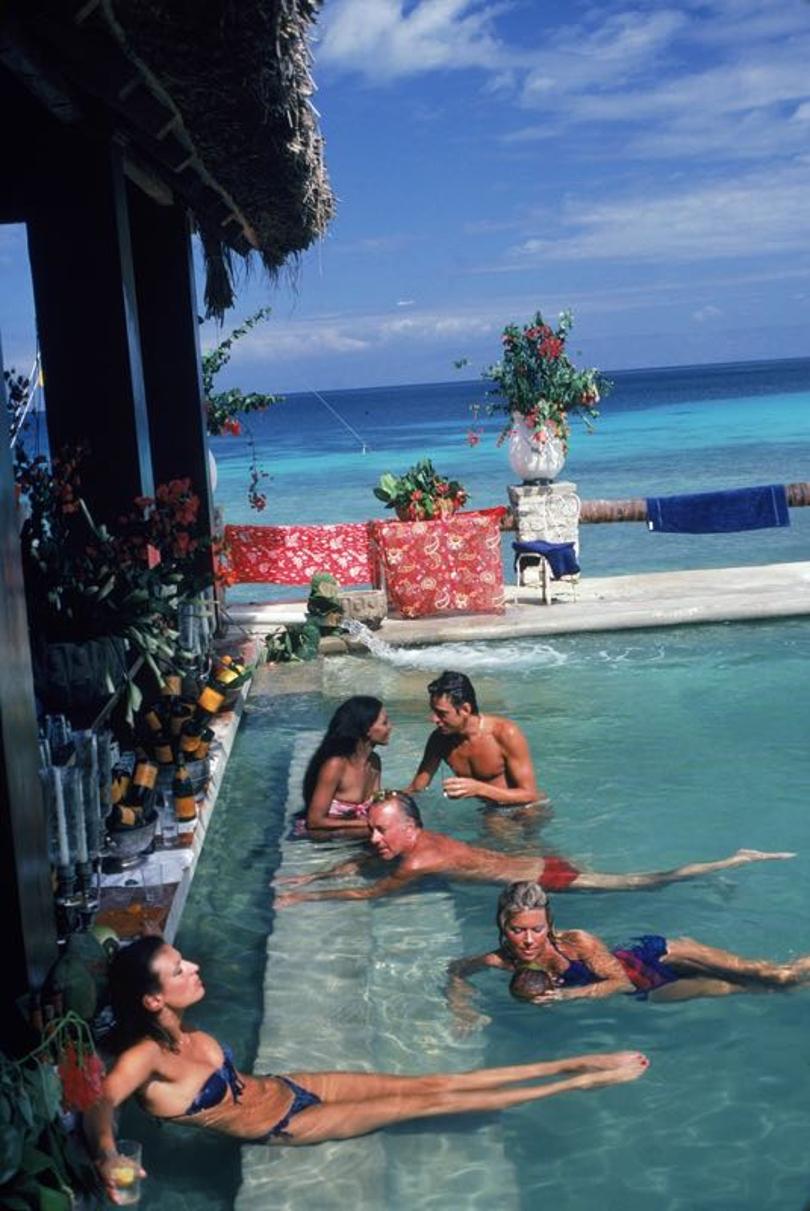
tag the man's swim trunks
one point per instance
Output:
(557, 874)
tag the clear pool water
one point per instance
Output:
(656, 747)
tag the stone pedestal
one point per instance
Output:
(547, 511)
(544, 511)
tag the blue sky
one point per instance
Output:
(646, 164)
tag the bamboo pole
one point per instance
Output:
(596, 512)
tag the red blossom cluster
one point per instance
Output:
(82, 1075)
(164, 526)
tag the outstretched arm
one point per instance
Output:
(460, 992)
(383, 887)
(129, 1073)
(600, 881)
(431, 760)
(353, 866)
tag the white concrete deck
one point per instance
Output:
(611, 603)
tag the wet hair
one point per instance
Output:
(520, 897)
(132, 977)
(530, 982)
(455, 686)
(405, 802)
(349, 725)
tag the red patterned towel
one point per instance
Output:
(293, 554)
(448, 566)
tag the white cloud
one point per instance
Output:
(382, 41)
(709, 312)
(762, 212)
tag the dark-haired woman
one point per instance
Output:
(181, 1074)
(344, 771)
(577, 964)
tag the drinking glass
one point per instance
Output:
(125, 1171)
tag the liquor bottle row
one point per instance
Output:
(178, 722)
(133, 794)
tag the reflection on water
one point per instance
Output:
(656, 749)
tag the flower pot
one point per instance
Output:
(74, 679)
(536, 455)
(415, 512)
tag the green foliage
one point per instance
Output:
(227, 405)
(323, 607)
(224, 408)
(297, 641)
(536, 378)
(41, 1163)
(421, 493)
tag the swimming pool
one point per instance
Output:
(656, 747)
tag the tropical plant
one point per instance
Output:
(537, 380)
(84, 581)
(225, 410)
(421, 494)
(42, 1161)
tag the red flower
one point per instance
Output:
(473, 437)
(231, 425)
(82, 1076)
(550, 347)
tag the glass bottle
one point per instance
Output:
(185, 805)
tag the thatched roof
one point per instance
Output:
(211, 99)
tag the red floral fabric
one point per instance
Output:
(452, 565)
(293, 554)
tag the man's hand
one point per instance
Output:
(463, 788)
(292, 880)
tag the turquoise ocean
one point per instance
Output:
(657, 747)
(685, 429)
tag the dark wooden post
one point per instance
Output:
(26, 898)
(84, 289)
(170, 349)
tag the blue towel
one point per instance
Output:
(560, 555)
(719, 512)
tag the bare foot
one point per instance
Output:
(630, 1071)
(607, 1060)
(758, 855)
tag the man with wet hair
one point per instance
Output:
(398, 838)
(488, 755)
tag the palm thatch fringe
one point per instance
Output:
(238, 72)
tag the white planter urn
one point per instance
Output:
(534, 454)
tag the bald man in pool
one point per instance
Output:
(399, 839)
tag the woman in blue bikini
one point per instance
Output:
(547, 966)
(187, 1076)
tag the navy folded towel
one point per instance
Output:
(560, 555)
(719, 512)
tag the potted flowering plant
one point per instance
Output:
(421, 494)
(94, 594)
(537, 385)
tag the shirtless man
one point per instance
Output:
(398, 837)
(489, 755)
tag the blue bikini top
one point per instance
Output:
(219, 1082)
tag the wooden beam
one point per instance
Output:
(84, 291)
(26, 896)
(169, 327)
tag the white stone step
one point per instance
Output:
(316, 1017)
